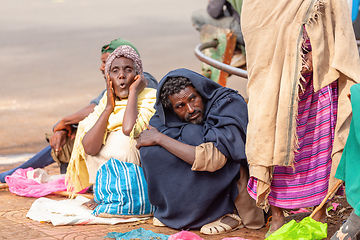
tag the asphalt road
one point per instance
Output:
(50, 56)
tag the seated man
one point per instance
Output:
(64, 132)
(193, 156)
(106, 137)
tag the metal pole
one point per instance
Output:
(216, 64)
(219, 65)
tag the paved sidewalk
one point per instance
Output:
(15, 225)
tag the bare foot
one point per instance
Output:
(233, 223)
(278, 218)
(90, 204)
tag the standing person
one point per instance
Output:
(107, 137)
(60, 143)
(348, 171)
(223, 14)
(302, 60)
(193, 156)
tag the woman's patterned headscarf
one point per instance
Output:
(124, 51)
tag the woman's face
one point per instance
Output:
(122, 74)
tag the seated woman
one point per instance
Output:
(105, 139)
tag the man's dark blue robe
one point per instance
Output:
(187, 199)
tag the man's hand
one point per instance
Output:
(62, 125)
(139, 84)
(57, 141)
(152, 137)
(148, 137)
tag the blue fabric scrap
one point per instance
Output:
(139, 233)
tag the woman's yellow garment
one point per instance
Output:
(77, 177)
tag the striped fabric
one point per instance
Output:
(121, 189)
(307, 184)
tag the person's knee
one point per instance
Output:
(192, 134)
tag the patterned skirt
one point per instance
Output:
(306, 184)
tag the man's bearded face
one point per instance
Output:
(188, 105)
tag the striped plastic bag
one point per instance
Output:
(121, 189)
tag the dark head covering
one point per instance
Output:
(115, 44)
(218, 119)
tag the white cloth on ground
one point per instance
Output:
(69, 212)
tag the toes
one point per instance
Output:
(90, 204)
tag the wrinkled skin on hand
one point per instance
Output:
(110, 94)
(57, 140)
(62, 125)
(148, 137)
(140, 82)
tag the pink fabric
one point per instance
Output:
(301, 210)
(335, 205)
(235, 238)
(184, 235)
(19, 184)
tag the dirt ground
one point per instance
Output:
(13, 211)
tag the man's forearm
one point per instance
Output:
(181, 150)
(80, 115)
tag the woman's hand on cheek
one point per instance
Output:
(110, 94)
(140, 82)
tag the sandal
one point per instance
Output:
(218, 226)
(156, 222)
(269, 232)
